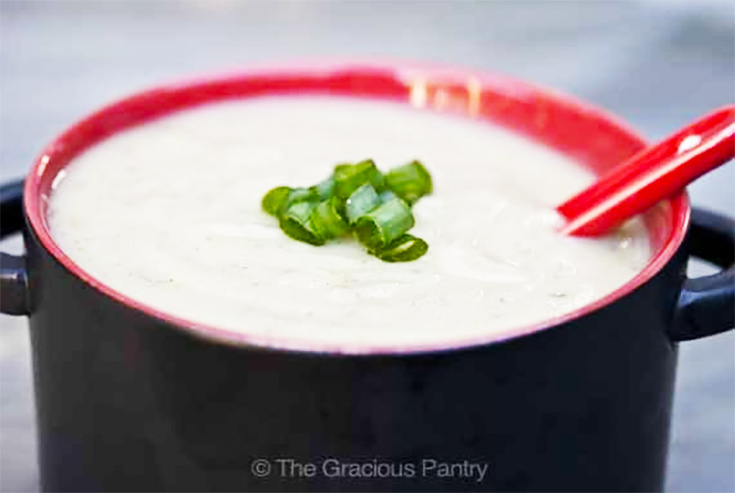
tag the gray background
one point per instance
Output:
(658, 64)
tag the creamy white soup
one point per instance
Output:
(169, 214)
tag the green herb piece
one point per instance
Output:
(301, 195)
(295, 222)
(275, 200)
(386, 196)
(326, 221)
(280, 199)
(362, 201)
(350, 177)
(384, 224)
(410, 181)
(323, 190)
(404, 249)
(357, 199)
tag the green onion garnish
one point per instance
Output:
(326, 221)
(357, 199)
(295, 222)
(350, 177)
(324, 189)
(301, 195)
(381, 226)
(275, 200)
(410, 181)
(362, 201)
(386, 196)
(404, 249)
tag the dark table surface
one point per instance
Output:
(657, 64)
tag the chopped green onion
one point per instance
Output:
(295, 222)
(281, 198)
(410, 181)
(324, 189)
(404, 249)
(350, 177)
(362, 201)
(275, 200)
(357, 199)
(301, 195)
(326, 221)
(386, 196)
(384, 224)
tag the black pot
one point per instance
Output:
(129, 401)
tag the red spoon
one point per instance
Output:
(653, 174)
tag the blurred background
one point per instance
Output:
(658, 64)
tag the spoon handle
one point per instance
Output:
(652, 175)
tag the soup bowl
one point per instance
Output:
(130, 398)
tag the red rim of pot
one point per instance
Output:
(593, 137)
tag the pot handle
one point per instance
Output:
(13, 276)
(707, 304)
